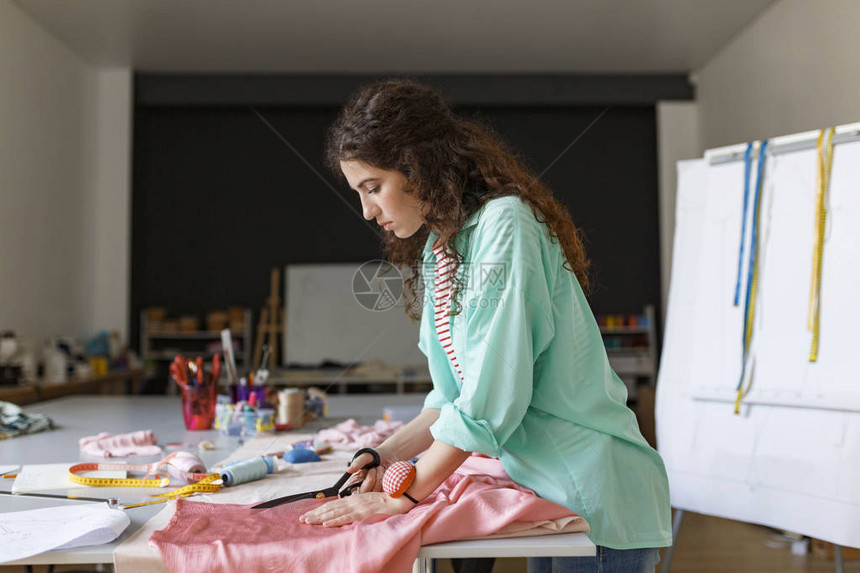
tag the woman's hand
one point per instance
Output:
(408, 441)
(356, 507)
(372, 478)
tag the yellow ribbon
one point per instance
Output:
(825, 166)
(742, 391)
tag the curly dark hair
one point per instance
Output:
(452, 165)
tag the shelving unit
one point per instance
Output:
(159, 346)
(632, 351)
(114, 382)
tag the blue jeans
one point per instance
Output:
(605, 561)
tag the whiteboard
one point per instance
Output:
(791, 459)
(326, 320)
(783, 373)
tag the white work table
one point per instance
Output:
(81, 416)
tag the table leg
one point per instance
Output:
(424, 565)
(676, 527)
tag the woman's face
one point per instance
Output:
(384, 198)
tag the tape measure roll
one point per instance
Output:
(114, 482)
(182, 467)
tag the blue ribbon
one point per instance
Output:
(748, 320)
(747, 165)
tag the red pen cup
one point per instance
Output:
(198, 406)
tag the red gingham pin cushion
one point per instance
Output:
(397, 479)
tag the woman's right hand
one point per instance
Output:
(408, 441)
(371, 478)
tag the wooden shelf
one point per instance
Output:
(171, 353)
(340, 378)
(625, 329)
(110, 383)
(19, 394)
(157, 346)
(196, 334)
(633, 352)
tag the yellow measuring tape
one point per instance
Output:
(203, 482)
(115, 482)
(825, 166)
(203, 486)
(748, 322)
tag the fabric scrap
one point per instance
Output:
(105, 445)
(355, 435)
(15, 422)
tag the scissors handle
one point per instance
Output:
(351, 487)
(375, 462)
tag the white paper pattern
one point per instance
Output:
(27, 533)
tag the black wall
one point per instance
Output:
(219, 198)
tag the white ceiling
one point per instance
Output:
(378, 36)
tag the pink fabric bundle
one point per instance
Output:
(355, 435)
(105, 445)
(228, 537)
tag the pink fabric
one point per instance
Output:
(228, 537)
(355, 435)
(105, 445)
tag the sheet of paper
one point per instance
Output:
(45, 477)
(8, 469)
(27, 533)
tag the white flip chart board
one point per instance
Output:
(791, 458)
(327, 321)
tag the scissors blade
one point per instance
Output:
(286, 499)
(316, 494)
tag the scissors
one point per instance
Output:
(327, 492)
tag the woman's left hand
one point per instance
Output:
(356, 507)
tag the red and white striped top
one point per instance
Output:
(444, 281)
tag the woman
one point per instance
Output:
(518, 364)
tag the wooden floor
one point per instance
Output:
(713, 545)
(705, 545)
(710, 544)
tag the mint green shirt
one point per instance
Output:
(538, 392)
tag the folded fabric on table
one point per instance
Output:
(355, 435)
(105, 445)
(14, 422)
(230, 537)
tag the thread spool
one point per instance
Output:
(248, 470)
(291, 407)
